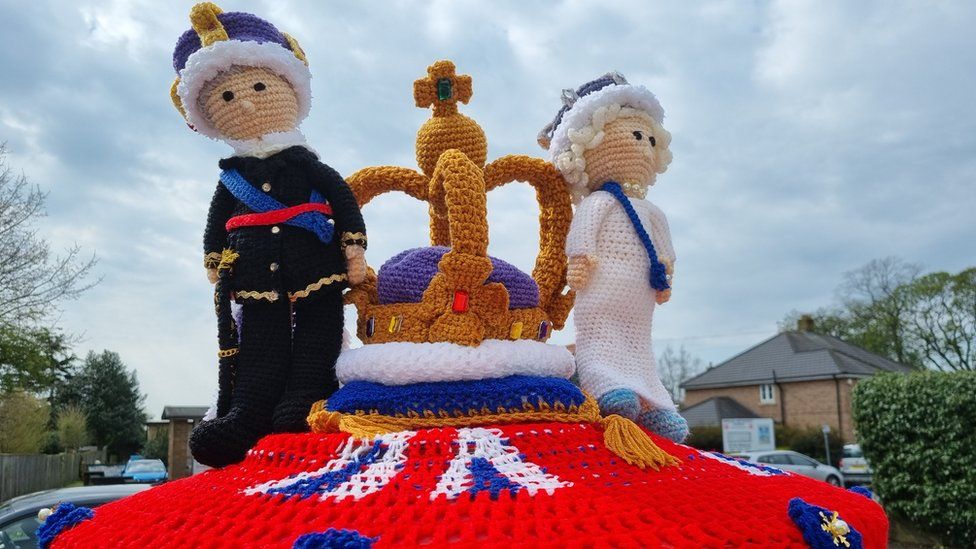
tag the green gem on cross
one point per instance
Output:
(444, 89)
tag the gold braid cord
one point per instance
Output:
(622, 436)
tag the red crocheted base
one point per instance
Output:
(598, 501)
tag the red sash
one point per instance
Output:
(275, 217)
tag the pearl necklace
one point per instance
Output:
(634, 190)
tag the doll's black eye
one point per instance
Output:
(228, 95)
(652, 140)
(639, 135)
(259, 86)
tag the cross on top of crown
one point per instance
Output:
(442, 89)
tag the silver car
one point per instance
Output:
(855, 467)
(796, 462)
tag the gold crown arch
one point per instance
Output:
(458, 306)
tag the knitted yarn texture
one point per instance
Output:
(453, 292)
(615, 311)
(525, 485)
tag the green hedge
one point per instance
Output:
(918, 431)
(708, 439)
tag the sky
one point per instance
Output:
(809, 138)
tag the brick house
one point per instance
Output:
(177, 422)
(798, 378)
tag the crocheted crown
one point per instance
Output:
(218, 41)
(453, 292)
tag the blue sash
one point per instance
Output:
(659, 277)
(259, 202)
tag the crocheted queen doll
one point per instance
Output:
(271, 232)
(608, 142)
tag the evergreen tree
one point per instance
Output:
(109, 395)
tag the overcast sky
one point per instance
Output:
(809, 138)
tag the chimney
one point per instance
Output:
(804, 324)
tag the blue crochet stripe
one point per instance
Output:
(487, 478)
(807, 518)
(327, 482)
(259, 202)
(659, 276)
(862, 490)
(334, 539)
(454, 397)
(64, 517)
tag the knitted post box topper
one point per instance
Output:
(608, 142)
(284, 234)
(494, 449)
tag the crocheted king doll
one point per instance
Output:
(284, 234)
(608, 142)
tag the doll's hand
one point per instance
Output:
(663, 296)
(578, 273)
(355, 264)
(212, 275)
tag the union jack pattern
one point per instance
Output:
(484, 461)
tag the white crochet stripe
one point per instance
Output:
(401, 363)
(581, 113)
(370, 480)
(204, 64)
(488, 444)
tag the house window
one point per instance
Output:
(766, 394)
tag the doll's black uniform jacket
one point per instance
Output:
(283, 259)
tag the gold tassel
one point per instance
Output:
(624, 438)
(321, 420)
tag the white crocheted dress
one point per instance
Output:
(614, 311)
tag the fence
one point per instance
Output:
(25, 473)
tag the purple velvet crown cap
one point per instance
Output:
(239, 26)
(405, 277)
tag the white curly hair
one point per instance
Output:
(581, 128)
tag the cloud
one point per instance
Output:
(809, 137)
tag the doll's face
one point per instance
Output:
(626, 154)
(248, 102)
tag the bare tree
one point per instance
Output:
(889, 308)
(878, 302)
(33, 280)
(675, 367)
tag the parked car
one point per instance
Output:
(18, 516)
(144, 470)
(855, 467)
(789, 460)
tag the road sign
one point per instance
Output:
(748, 435)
